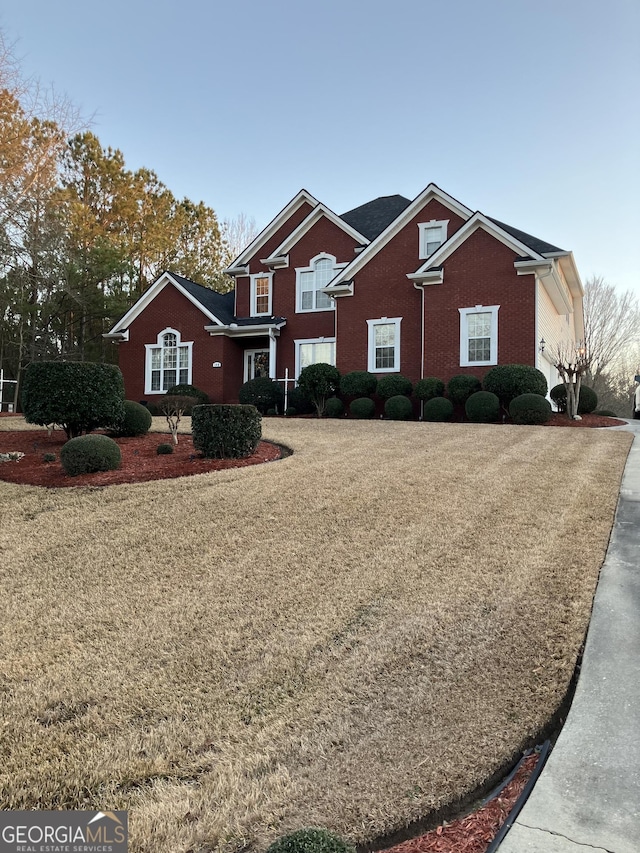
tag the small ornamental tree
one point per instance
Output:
(571, 359)
(319, 381)
(174, 408)
(79, 396)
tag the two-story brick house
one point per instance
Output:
(424, 288)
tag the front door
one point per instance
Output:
(256, 363)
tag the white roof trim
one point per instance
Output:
(236, 331)
(429, 193)
(478, 220)
(296, 202)
(150, 294)
(308, 222)
(426, 277)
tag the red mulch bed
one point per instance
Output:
(587, 421)
(474, 833)
(140, 462)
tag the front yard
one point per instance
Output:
(350, 637)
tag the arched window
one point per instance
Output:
(311, 280)
(168, 362)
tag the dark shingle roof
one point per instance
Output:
(372, 218)
(539, 246)
(220, 305)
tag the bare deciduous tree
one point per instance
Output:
(571, 360)
(174, 407)
(611, 324)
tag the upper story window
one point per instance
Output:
(478, 335)
(384, 345)
(168, 362)
(312, 279)
(432, 236)
(261, 292)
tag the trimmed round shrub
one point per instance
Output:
(398, 408)
(530, 409)
(311, 840)
(358, 383)
(49, 457)
(462, 386)
(271, 413)
(428, 388)
(89, 453)
(508, 381)
(362, 407)
(186, 390)
(78, 395)
(137, 420)
(605, 413)
(437, 409)
(263, 393)
(319, 381)
(298, 400)
(164, 449)
(483, 407)
(587, 401)
(225, 432)
(392, 385)
(291, 411)
(334, 407)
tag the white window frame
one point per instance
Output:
(464, 335)
(300, 270)
(301, 341)
(254, 295)
(371, 357)
(149, 348)
(442, 224)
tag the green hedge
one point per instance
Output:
(89, 453)
(587, 401)
(483, 407)
(437, 409)
(462, 386)
(530, 409)
(311, 840)
(508, 381)
(226, 432)
(358, 383)
(137, 420)
(392, 385)
(79, 396)
(362, 408)
(398, 408)
(428, 388)
(263, 393)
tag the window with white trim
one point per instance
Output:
(167, 363)
(315, 351)
(432, 236)
(312, 279)
(384, 345)
(479, 335)
(261, 294)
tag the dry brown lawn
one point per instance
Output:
(350, 637)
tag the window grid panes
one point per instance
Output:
(479, 336)
(385, 346)
(262, 295)
(169, 364)
(311, 284)
(433, 239)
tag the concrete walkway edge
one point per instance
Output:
(588, 795)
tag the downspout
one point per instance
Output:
(422, 325)
(272, 354)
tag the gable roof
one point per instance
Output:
(307, 223)
(539, 246)
(372, 218)
(221, 305)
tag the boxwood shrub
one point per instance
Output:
(79, 396)
(362, 407)
(86, 454)
(311, 840)
(508, 381)
(461, 387)
(358, 383)
(428, 388)
(319, 382)
(392, 385)
(437, 409)
(530, 409)
(224, 431)
(334, 407)
(483, 407)
(164, 449)
(300, 401)
(398, 408)
(137, 420)
(587, 400)
(263, 393)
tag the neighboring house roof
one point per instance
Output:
(372, 218)
(539, 246)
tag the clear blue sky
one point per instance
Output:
(527, 110)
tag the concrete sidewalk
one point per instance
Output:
(588, 795)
